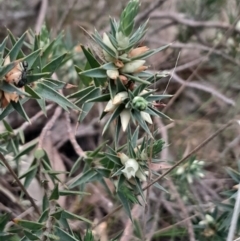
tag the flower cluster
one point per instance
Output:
(191, 170)
(132, 168)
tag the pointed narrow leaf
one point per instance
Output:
(19, 108)
(54, 64)
(49, 93)
(64, 236)
(16, 48)
(69, 215)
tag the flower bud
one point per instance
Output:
(180, 170)
(107, 41)
(112, 73)
(146, 117)
(123, 79)
(132, 66)
(120, 97)
(122, 40)
(141, 175)
(118, 63)
(125, 116)
(138, 51)
(139, 103)
(131, 167)
(123, 157)
(110, 106)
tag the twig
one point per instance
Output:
(19, 183)
(179, 18)
(147, 11)
(41, 16)
(205, 88)
(72, 138)
(49, 126)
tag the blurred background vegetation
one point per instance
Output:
(204, 65)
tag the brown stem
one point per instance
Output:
(19, 183)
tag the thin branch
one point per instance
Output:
(205, 88)
(143, 15)
(49, 126)
(41, 16)
(72, 138)
(180, 18)
(19, 183)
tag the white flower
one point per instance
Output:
(131, 167)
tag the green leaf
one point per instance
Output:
(49, 93)
(94, 73)
(101, 98)
(31, 92)
(160, 114)
(85, 109)
(113, 158)
(54, 64)
(19, 108)
(85, 80)
(95, 92)
(115, 114)
(34, 226)
(7, 127)
(99, 41)
(42, 104)
(125, 203)
(137, 79)
(68, 193)
(103, 172)
(16, 48)
(81, 93)
(31, 58)
(11, 88)
(64, 236)
(2, 48)
(27, 149)
(136, 115)
(152, 98)
(55, 193)
(37, 76)
(4, 219)
(30, 235)
(69, 215)
(5, 69)
(76, 165)
(88, 176)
